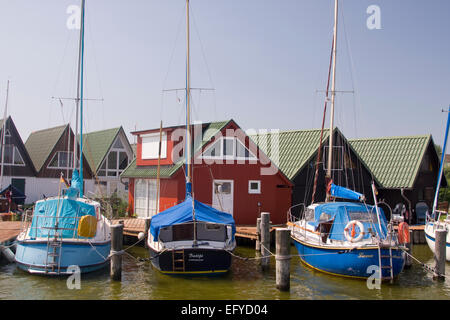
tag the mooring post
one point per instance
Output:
(147, 228)
(440, 254)
(409, 246)
(265, 240)
(116, 251)
(258, 235)
(283, 259)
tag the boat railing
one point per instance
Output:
(49, 223)
(291, 217)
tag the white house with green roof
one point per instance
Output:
(108, 153)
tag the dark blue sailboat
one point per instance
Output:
(349, 239)
(191, 238)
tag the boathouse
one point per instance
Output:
(18, 169)
(297, 157)
(406, 168)
(229, 173)
(51, 151)
(108, 153)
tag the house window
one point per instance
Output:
(254, 187)
(228, 148)
(337, 158)
(115, 162)
(12, 156)
(61, 160)
(145, 202)
(150, 146)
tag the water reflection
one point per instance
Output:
(244, 281)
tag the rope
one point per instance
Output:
(425, 266)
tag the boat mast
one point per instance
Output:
(79, 103)
(3, 135)
(188, 104)
(333, 91)
(441, 168)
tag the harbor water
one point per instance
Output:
(245, 281)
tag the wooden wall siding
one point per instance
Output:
(61, 145)
(357, 179)
(23, 171)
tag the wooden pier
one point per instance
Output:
(9, 230)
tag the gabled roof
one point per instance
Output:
(394, 161)
(295, 148)
(166, 171)
(96, 145)
(41, 143)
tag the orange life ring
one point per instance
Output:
(403, 233)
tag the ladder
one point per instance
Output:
(53, 259)
(178, 263)
(384, 267)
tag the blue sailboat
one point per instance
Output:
(67, 233)
(345, 238)
(191, 238)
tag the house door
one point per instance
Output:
(19, 184)
(223, 195)
(145, 202)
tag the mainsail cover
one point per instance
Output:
(341, 192)
(183, 212)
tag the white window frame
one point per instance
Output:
(117, 170)
(57, 155)
(148, 212)
(253, 191)
(234, 156)
(152, 154)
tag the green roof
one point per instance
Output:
(296, 148)
(40, 144)
(134, 171)
(394, 161)
(97, 144)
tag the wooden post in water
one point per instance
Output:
(147, 228)
(258, 235)
(265, 240)
(440, 254)
(283, 259)
(409, 246)
(116, 248)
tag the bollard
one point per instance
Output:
(147, 228)
(116, 248)
(265, 240)
(409, 246)
(440, 254)
(258, 235)
(283, 259)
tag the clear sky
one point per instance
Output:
(266, 59)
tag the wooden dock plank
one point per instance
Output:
(9, 230)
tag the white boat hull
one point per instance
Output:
(430, 238)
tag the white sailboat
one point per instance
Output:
(439, 220)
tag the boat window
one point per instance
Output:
(363, 216)
(309, 215)
(211, 232)
(325, 217)
(183, 232)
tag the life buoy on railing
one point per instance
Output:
(403, 233)
(351, 237)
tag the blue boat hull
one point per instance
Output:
(349, 263)
(32, 257)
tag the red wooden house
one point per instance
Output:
(229, 173)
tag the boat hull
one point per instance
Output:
(197, 261)
(431, 240)
(31, 256)
(349, 262)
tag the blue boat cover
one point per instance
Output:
(341, 192)
(343, 212)
(182, 213)
(64, 211)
